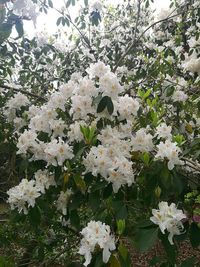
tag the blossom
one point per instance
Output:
(62, 201)
(164, 131)
(26, 141)
(81, 106)
(98, 69)
(96, 234)
(179, 96)
(109, 85)
(44, 180)
(112, 163)
(127, 107)
(57, 151)
(142, 141)
(23, 195)
(168, 217)
(86, 87)
(169, 151)
(15, 103)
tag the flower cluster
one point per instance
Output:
(170, 151)
(168, 217)
(23, 195)
(96, 234)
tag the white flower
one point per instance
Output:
(81, 106)
(179, 96)
(75, 133)
(109, 85)
(23, 195)
(111, 161)
(96, 234)
(26, 141)
(57, 126)
(15, 103)
(164, 131)
(169, 151)
(62, 201)
(57, 101)
(192, 63)
(67, 89)
(98, 69)
(86, 88)
(57, 151)
(142, 141)
(168, 218)
(44, 180)
(127, 107)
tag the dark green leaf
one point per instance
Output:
(194, 234)
(19, 28)
(190, 262)
(146, 238)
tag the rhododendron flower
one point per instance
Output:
(96, 234)
(168, 217)
(170, 151)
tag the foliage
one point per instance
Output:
(99, 128)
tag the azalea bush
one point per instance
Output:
(100, 132)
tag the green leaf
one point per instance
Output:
(5, 31)
(5, 262)
(110, 106)
(86, 2)
(68, 3)
(80, 183)
(102, 104)
(19, 28)
(50, 3)
(171, 250)
(146, 238)
(114, 261)
(34, 216)
(194, 234)
(147, 94)
(121, 225)
(95, 18)
(2, 14)
(105, 102)
(59, 20)
(74, 219)
(190, 262)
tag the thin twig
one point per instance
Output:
(23, 91)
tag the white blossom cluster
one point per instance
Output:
(111, 159)
(169, 218)
(170, 151)
(24, 195)
(96, 234)
(14, 104)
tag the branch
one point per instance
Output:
(137, 20)
(141, 35)
(24, 92)
(68, 17)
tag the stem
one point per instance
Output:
(24, 92)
